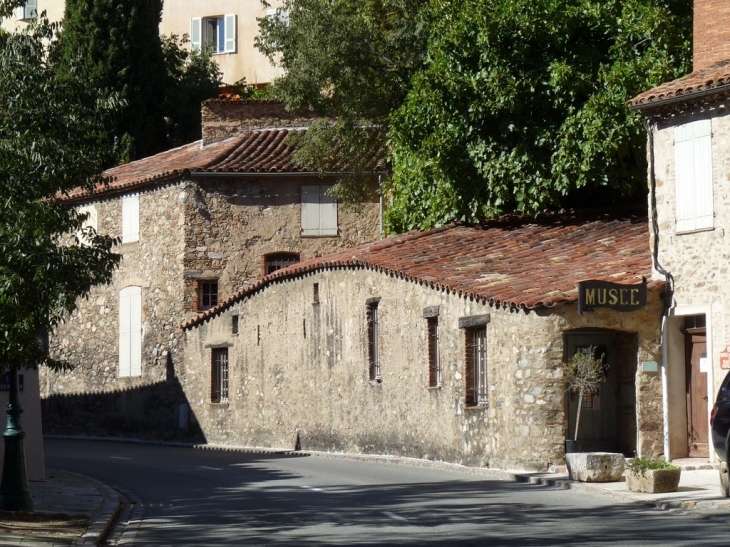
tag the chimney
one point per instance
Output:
(711, 32)
(223, 118)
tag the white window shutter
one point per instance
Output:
(90, 222)
(31, 9)
(310, 210)
(327, 212)
(130, 331)
(693, 173)
(130, 218)
(125, 327)
(20, 12)
(135, 338)
(196, 33)
(230, 32)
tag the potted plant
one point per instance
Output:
(583, 373)
(652, 475)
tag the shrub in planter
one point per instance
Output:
(652, 475)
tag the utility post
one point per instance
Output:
(14, 493)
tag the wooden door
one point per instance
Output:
(697, 434)
(599, 415)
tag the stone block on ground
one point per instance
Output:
(595, 466)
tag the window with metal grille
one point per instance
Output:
(207, 294)
(434, 361)
(219, 376)
(476, 366)
(277, 261)
(373, 335)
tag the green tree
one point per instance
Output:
(47, 148)
(349, 60)
(116, 44)
(522, 106)
(192, 77)
(489, 106)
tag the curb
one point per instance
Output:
(103, 517)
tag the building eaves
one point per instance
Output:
(708, 84)
(526, 266)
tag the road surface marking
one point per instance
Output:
(211, 468)
(394, 516)
(119, 458)
(313, 488)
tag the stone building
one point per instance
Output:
(197, 224)
(689, 157)
(443, 345)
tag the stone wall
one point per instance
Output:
(211, 228)
(698, 261)
(299, 368)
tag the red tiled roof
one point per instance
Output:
(712, 80)
(256, 151)
(523, 266)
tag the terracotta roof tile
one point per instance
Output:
(511, 266)
(255, 151)
(714, 79)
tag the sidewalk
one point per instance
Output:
(70, 510)
(77, 511)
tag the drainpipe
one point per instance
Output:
(650, 126)
(380, 193)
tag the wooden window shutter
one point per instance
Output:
(310, 210)
(693, 173)
(135, 338)
(230, 33)
(130, 331)
(130, 218)
(327, 212)
(196, 33)
(125, 328)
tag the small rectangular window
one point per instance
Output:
(434, 361)
(315, 293)
(373, 334)
(207, 294)
(28, 11)
(234, 324)
(278, 261)
(217, 32)
(476, 366)
(219, 375)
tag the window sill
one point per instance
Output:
(696, 231)
(318, 236)
(476, 407)
(434, 388)
(375, 381)
(223, 405)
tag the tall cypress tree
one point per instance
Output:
(118, 45)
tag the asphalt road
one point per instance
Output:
(204, 497)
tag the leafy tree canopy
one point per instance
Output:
(117, 46)
(47, 147)
(346, 59)
(500, 106)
